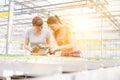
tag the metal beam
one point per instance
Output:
(53, 5)
(9, 27)
(102, 8)
(22, 4)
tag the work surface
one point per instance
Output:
(67, 63)
(49, 65)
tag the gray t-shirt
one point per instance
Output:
(39, 38)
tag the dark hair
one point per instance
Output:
(53, 19)
(37, 21)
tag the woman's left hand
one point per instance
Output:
(53, 50)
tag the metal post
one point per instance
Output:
(10, 22)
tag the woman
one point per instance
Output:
(37, 36)
(63, 37)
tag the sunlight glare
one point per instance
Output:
(82, 24)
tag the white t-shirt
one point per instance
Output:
(37, 39)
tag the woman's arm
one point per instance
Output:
(49, 39)
(26, 45)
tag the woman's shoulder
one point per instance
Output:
(67, 29)
(28, 31)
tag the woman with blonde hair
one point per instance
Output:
(63, 36)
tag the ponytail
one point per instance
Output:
(58, 19)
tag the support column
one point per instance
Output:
(10, 24)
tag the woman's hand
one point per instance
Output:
(35, 49)
(54, 49)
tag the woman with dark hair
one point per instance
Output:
(37, 37)
(63, 36)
